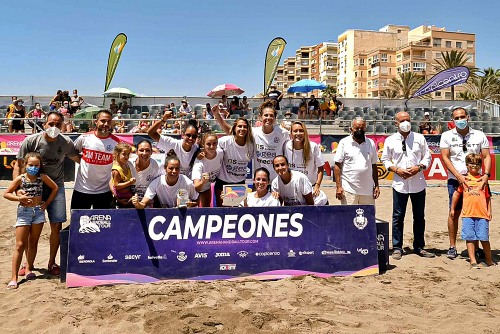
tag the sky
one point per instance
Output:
(185, 48)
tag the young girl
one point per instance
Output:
(30, 213)
(261, 196)
(121, 176)
(207, 169)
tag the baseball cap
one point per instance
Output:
(426, 113)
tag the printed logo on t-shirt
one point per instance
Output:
(94, 157)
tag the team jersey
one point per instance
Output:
(296, 160)
(167, 143)
(235, 161)
(267, 146)
(94, 171)
(145, 177)
(475, 204)
(293, 192)
(167, 195)
(210, 166)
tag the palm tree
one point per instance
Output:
(483, 87)
(454, 58)
(405, 85)
(389, 93)
(329, 91)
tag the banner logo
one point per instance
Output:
(444, 79)
(360, 221)
(115, 53)
(242, 254)
(228, 266)
(273, 56)
(182, 256)
(110, 259)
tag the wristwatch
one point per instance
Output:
(421, 168)
(487, 174)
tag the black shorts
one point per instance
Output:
(81, 200)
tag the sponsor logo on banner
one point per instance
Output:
(380, 242)
(224, 254)
(227, 266)
(94, 223)
(81, 259)
(363, 251)
(242, 254)
(306, 253)
(291, 253)
(267, 253)
(200, 255)
(109, 259)
(181, 256)
(157, 257)
(335, 252)
(360, 220)
(132, 257)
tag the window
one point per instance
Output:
(406, 68)
(470, 44)
(356, 62)
(356, 74)
(470, 57)
(375, 83)
(458, 45)
(375, 71)
(417, 67)
(448, 44)
(375, 59)
(361, 62)
(383, 57)
(439, 55)
(437, 94)
(436, 43)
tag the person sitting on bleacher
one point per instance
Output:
(113, 106)
(185, 110)
(124, 107)
(245, 105)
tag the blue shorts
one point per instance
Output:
(475, 229)
(27, 216)
(57, 208)
(452, 186)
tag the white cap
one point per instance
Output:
(426, 113)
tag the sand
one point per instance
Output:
(416, 295)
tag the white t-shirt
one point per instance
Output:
(145, 177)
(210, 166)
(296, 160)
(167, 143)
(268, 200)
(236, 158)
(452, 140)
(267, 146)
(94, 172)
(293, 193)
(167, 195)
(357, 160)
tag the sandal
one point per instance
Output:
(12, 285)
(30, 276)
(474, 266)
(54, 269)
(22, 270)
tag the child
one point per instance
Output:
(121, 175)
(476, 211)
(30, 213)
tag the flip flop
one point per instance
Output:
(22, 270)
(54, 269)
(12, 285)
(30, 276)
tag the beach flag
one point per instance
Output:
(444, 79)
(273, 57)
(114, 57)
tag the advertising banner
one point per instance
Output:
(273, 57)
(444, 79)
(141, 246)
(115, 53)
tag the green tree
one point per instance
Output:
(404, 85)
(329, 91)
(454, 58)
(483, 87)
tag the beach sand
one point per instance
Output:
(417, 295)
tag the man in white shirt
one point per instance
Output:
(407, 155)
(455, 145)
(355, 167)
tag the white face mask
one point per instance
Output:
(52, 132)
(405, 126)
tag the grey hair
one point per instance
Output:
(357, 119)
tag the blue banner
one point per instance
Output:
(140, 246)
(444, 79)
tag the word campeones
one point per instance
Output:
(280, 225)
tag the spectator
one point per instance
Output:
(275, 95)
(64, 110)
(302, 113)
(92, 178)
(245, 105)
(113, 106)
(355, 167)
(324, 108)
(173, 108)
(17, 116)
(185, 110)
(335, 106)
(76, 102)
(313, 107)
(54, 148)
(65, 97)
(119, 122)
(235, 104)
(225, 103)
(172, 190)
(39, 115)
(286, 123)
(57, 97)
(425, 126)
(455, 144)
(208, 114)
(124, 106)
(144, 123)
(407, 155)
(10, 112)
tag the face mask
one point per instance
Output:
(359, 134)
(461, 123)
(144, 116)
(32, 170)
(405, 126)
(52, 132)
(20, 104)
(38, 108)
(65, 105)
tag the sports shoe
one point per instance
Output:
(397, 254)
(423, 253)
(452, 253)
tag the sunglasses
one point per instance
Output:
(464, 145)
(404, 146)
(191, 135)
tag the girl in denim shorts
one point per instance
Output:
(30, 213)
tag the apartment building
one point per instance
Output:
(318, 62)
(368, 60)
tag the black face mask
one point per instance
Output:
(359, 134)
